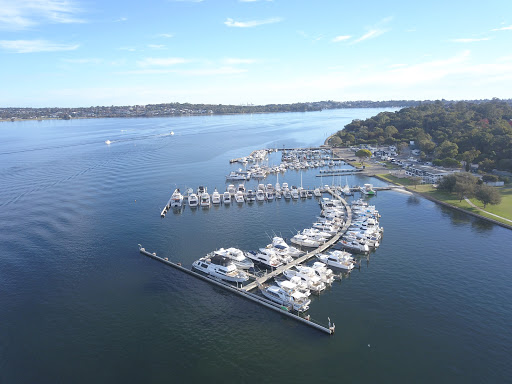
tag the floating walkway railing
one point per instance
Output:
(247, 295)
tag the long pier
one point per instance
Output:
(309, 255)
(243, 293)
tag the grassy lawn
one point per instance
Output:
(504, 209)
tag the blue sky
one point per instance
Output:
(85, 52)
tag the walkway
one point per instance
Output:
(489, 213)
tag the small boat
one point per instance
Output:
(233, 175)
(176, 198)
(367, 189)
(297, 300)
(294, 193)
(220, 267)
(108, 142)
(241, 188)
(216, 197)
(226, 197)
(317, 192)
(193, 200)
(282, 247)
(201, 189)
(231, 189)
(171, 133)
(204, 200)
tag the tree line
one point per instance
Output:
(445, 133)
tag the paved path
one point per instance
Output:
(489, 213)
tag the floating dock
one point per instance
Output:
(241, 292)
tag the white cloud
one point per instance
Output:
(30, 46)
(375, 31)
(156, 46)
(249, 24)
(469, 40)
(161, 62)
(188, 72)
(120, 20)
(337, 39)
(371, 34)
(23, 14)
(503, 28)
(165, 35)
(83, 61)
(235, 61)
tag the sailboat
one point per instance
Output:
(346, 189)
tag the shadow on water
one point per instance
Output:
(456, 217)
(413, 200)
(481, 225)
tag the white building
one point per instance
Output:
(429, 175)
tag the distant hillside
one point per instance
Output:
(446, 133)
(180, 109)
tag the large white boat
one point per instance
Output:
(297, 300)
(260, 195)
(239, 197)
(312, 280)
(220, 267)
(233, 175)
(266, 258)
(282, 247)
(325, 274)
(176, 198)
(337, 259)
(226, 197)
(305, 241)
(317, 192)
(294, 193)
(352, 245)
(236, 256)
(204, 200)
(231, 189)
(193, 200)
(216, 197)
(294, 283)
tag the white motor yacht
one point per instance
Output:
(226, 197)
(309, 277)
(282, 247)
(294, 283)
(337, 259)
(297, 300)
(231, 189)
(216, 197)
(239, 197)
(220, 267)
(305, 241)
(236, 256)
(269, 195)
(325, 274)
(241, 188)
(204, 200)
(268, 259)
(260, 195)
(176, 198)
(193, 201)
(317, 192)
(294, 193)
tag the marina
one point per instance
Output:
(79, 298)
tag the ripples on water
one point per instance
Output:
(79, 303)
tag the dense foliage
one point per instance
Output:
(446, 133)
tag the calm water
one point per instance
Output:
(78, 303)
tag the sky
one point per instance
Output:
(81, 53)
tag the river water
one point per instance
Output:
(78, 303)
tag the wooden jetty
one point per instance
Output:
(243, 293)
(309, 255)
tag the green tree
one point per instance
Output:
(390, 131)
(447, 149)
(335, 141)
(363, 154)
(487, 195)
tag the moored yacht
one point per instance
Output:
(251, 196)
(193, 200)
(266, 258)
(220, 267)
(297, 300)
(337, 259)
(226, 197)
(176, 198)
(239, 197)
(310, 278)
(236, 256)
(204, 200)
(216, 197)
